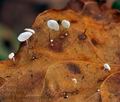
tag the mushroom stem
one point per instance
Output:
(27, 43)
(13, 59)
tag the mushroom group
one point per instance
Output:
(54, 25)
(22, 38)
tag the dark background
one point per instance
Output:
(18, 14)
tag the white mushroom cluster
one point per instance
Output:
(53, 24)
(24, 36)
(21, 38)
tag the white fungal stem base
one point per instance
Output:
(66, 34)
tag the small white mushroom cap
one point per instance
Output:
(24, 36)
(107, 67)
(66, 24)
(11, 55)
(98, 90)
(30, 30)
(74, 80)
(51, 40)
(53, 24)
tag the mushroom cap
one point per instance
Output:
(107, 67)
(24, 36)
(53, 24)
(30, 30)
(66, 24)
(11, 55)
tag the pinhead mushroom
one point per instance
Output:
(74, 80)
(11, 56)
(66, 24)
(53, 24)
(107, 67)
(98, 90)
(30, 30)
(24, 36)
(51, 40)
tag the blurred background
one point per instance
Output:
(20, 13)
(15, 15)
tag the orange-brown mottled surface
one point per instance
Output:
(70, 69)
(110, 89)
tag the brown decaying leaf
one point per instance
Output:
(48, 76)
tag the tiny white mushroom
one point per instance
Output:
(107, 67)
(30, 30)
(66, 24)
(98, 90)
(24, 36)
(53, 24)
(11, 56)
(66, 34)
(74, 80)
(51, 40)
